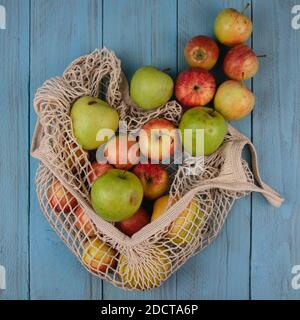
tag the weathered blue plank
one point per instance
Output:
(14, 74)
(60, 32)
(276, 132)
(141, 33)
(222, 270)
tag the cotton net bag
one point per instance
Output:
(198, 204)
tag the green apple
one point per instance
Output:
(89, 115)
(117, 195)
(213, 124)
(151, 88)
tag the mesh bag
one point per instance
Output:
(196, 207)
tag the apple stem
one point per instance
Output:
(246, 7)
(123, 174)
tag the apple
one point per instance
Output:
(117, 195)
(89, 115)
(135, 223)
(146, 274)
(98, 169)
(201, 52)
(234, 100)
(79, 156)
(185, 226)
(195, 87)
(83, 222)
(240, 63)
(151, 88)
(99, 256)
(232, 27)
(122, 152)
(213, 124)
(154, 178)
(158, 139)
(60, 199)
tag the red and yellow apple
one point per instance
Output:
(146, 274)
(60, 199)
(99, 256)
(232, 27)
(195, 87)
(158, 139)
(98, 169)
(185, 226)
(201, 52)
(240, 63)
(122, 152)
(135, 223)
(83, 222)
(154, 178)
(234, 100)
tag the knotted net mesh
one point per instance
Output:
(195, 208)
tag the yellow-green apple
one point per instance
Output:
(94, 121)
(154, 178)
(83, 222)
(195, 87)
(60, 199)
(240, 63)
(146, 274)
(185, 226)
(234, 100)
(151, 88)
(99, 256)
(201, 52)
(122, 151)
(116, 195)
(135, 223)
(232, 27)
(214, 130)
(97, 170)
(158, 139)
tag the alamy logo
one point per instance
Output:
(296, 17)
(295, 283)
(2, 18)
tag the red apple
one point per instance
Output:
(201, 52)
(83, 222)
(195, 87)
(60, 199)
(135, 223)
(158, 139)
(98, 169)
(240, 63)
(154, 178)
(122, 152)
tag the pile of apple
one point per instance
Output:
(121, 184)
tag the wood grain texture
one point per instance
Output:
(14, 61)
(222, 270)
(141, 33)
(276, 133)
(60, 32)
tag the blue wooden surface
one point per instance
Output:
(254, 255)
